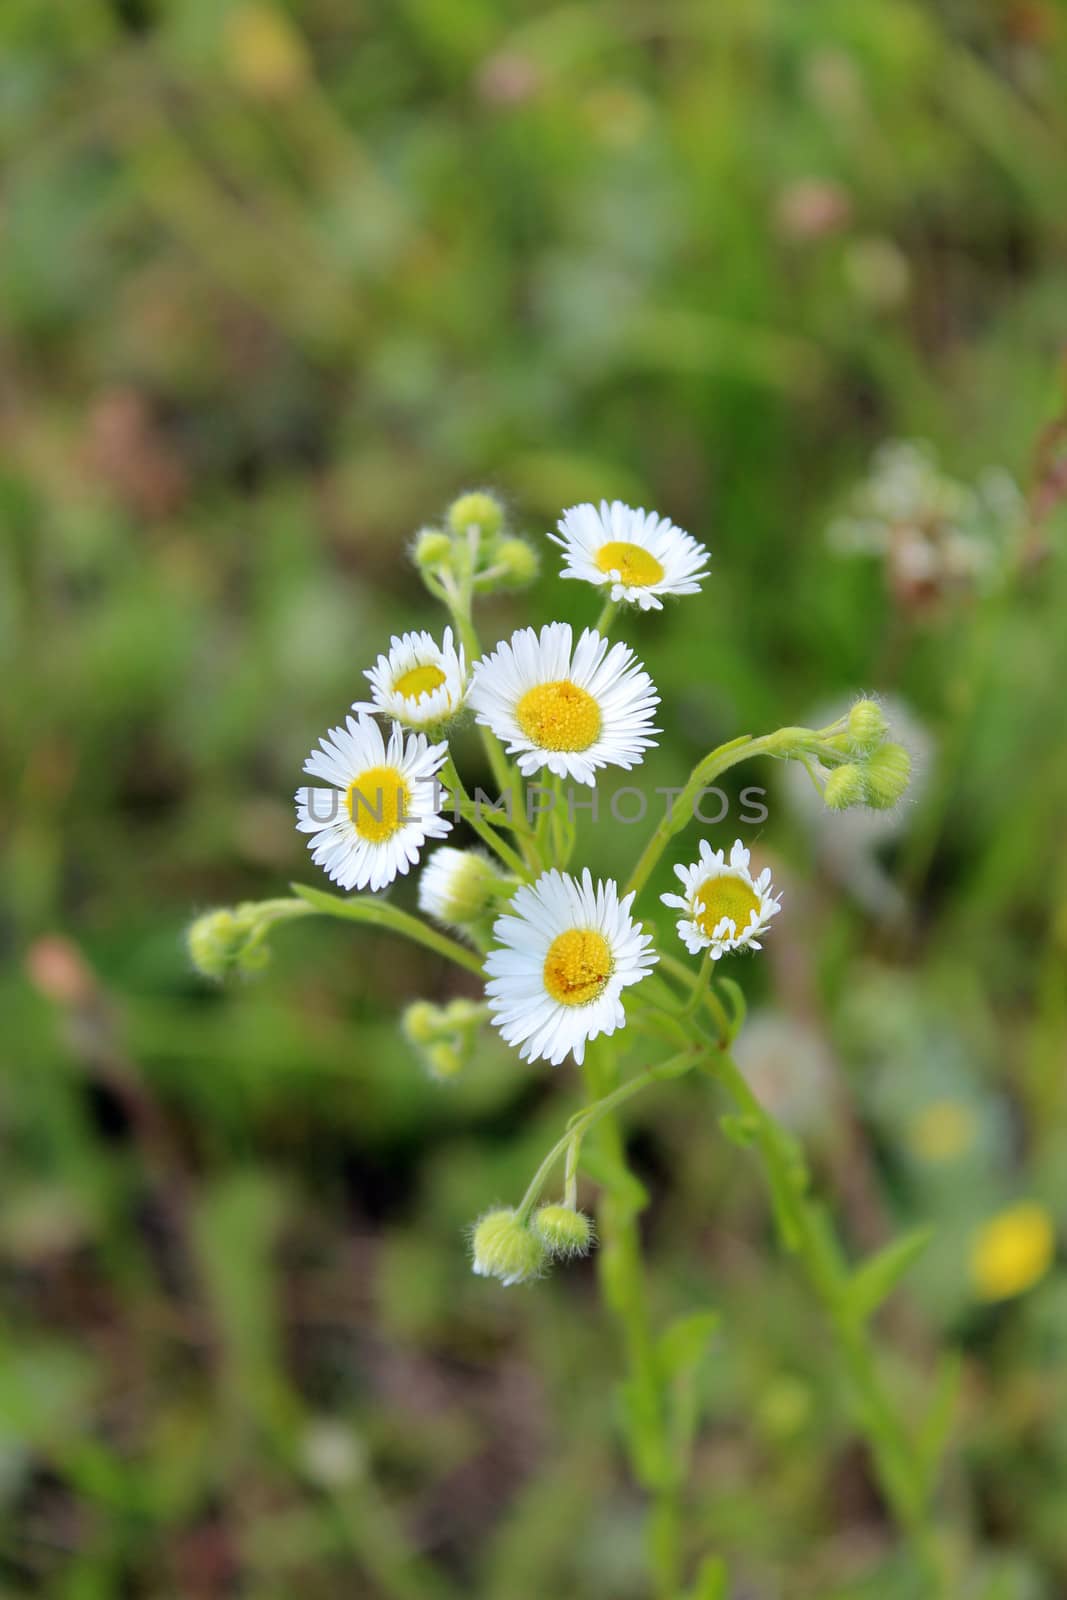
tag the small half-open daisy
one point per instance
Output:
(639, 553)
(382, 806)
(724, 907)
(417, 682)
(459, 886)
(572, 710)
(567, 950)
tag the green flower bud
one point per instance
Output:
(421, 1022)
(432, 549)
(464, 1013)
(444, 1061)
(220, 941)
(563, 1231)
(478, 510)
(520, 561)
(867, 726)
(846, 786)
(214, 942)
(504, 1248)
(458, 886)
(887, 773)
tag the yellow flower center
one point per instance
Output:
(634, 565)
(1012, 1252)
(559, 716)
(378, 803)
(417, 681)
(724, 897)
(577, 966)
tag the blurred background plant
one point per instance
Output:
(277, 282)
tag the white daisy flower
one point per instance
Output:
(725, 906)
(383, 805)
(639, 553)
(417, 682)
(571, 711)
(567, 951)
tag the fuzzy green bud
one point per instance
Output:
(221, 941)
(444, 1061)
(887, 775)
(477, 510)
(845, 787)
(213, 942)
(867, 726)
(458, 886)
(563, 1231)
(421, 1022)
(519, 560)
(462, 1013)
(432, 549)
(505, 1248)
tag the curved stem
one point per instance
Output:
(471, 813)
(379, 914)
(590, 1115)
(506, 777)
(784, 742)
(606, 617)
(709, 998)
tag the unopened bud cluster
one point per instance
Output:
(507, 1246)
(234, 938)
(475, 548)
(224, 941)
(873, 772)
(443, 1036)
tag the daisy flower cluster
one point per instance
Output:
(561, 958)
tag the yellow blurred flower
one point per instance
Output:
(1012, 1251)
(265, 55)
(942, 1130)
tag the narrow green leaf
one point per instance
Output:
(685, 1341)
(712, 1580)
(876, 1279)
(937, 1424)
(639, 1417)
(740, 1130)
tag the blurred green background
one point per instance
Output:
(276, 283)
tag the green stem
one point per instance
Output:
(590, 1115)
(379, 914)
(507, 778)
(649, 1436)
(607, 617)
(782, 742)
(806, 1231)
(709, 998)
(472, 814)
